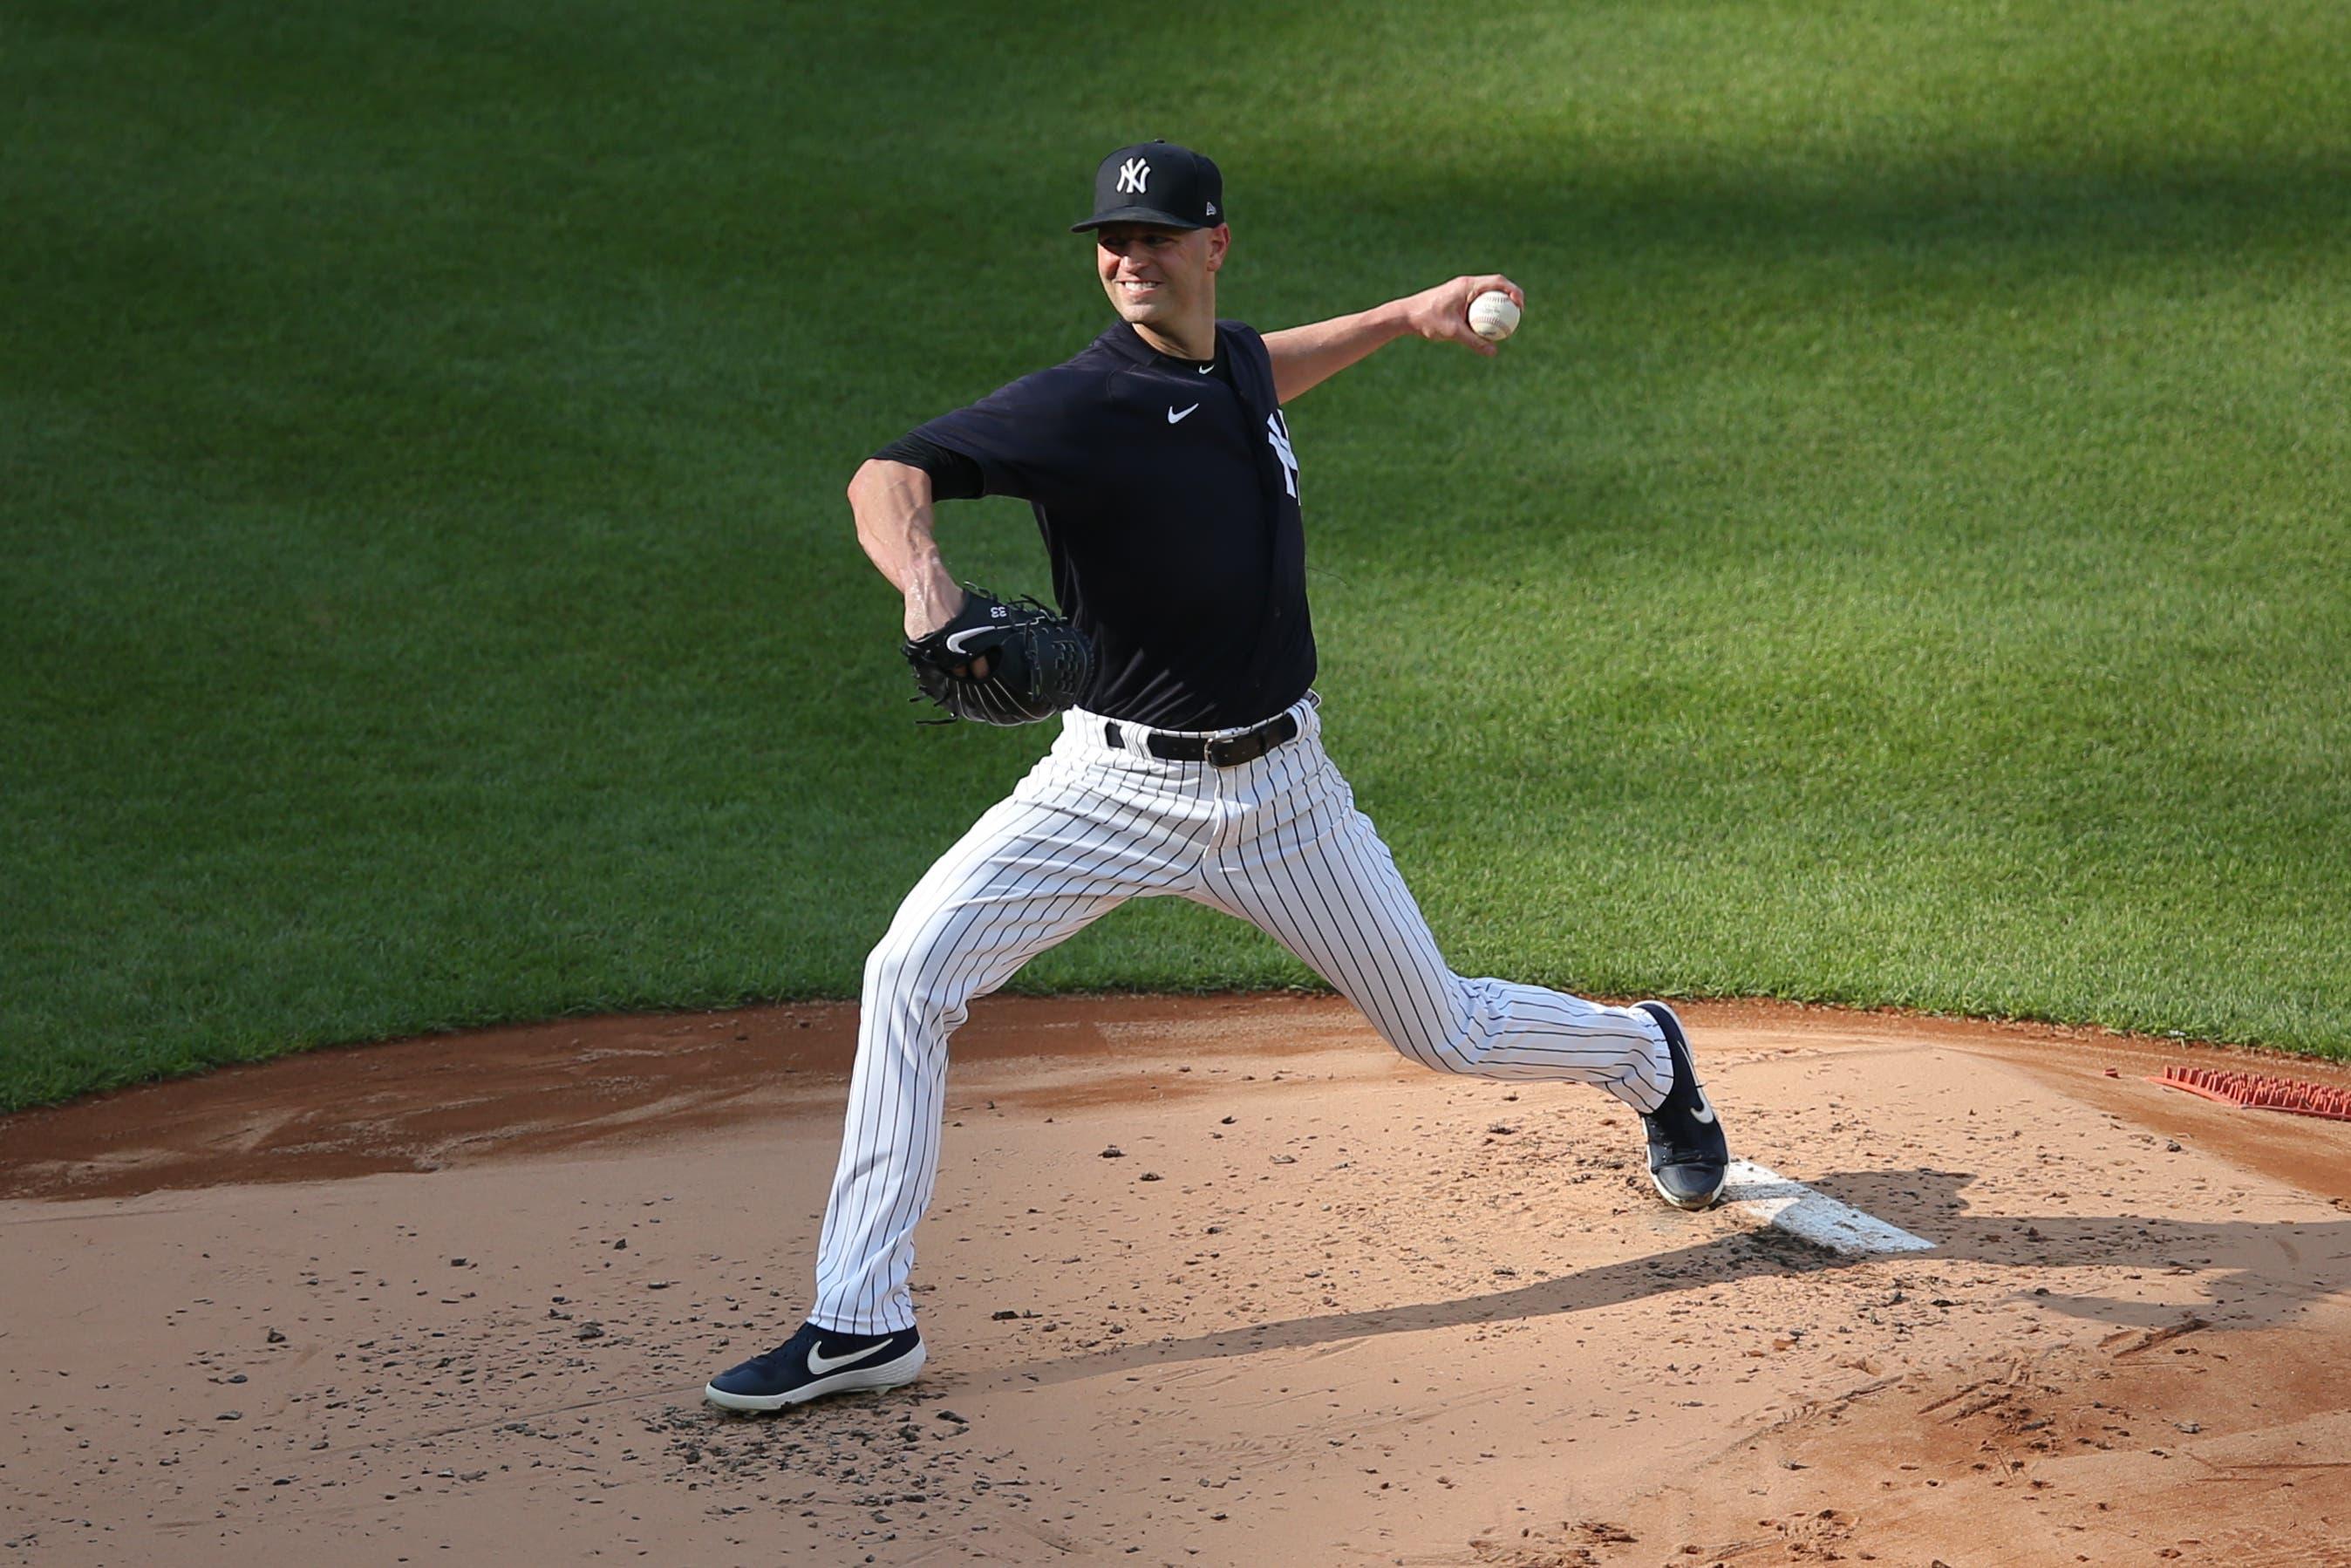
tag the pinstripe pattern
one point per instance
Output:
(1277, 843)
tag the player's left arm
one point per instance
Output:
(1308, 356)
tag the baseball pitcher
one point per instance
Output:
(1190, 760)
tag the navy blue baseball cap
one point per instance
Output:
(1156, 183)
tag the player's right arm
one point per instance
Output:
(892, 502)
(1016, 442)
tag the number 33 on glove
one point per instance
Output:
(1037, 662)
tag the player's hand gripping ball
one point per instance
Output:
(1037, 664)
(1493, 315)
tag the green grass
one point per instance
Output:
(1902, 559)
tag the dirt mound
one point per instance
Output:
(1323, 1307)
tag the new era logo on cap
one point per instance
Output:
(1156, 183)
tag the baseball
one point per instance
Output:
(1493, 315)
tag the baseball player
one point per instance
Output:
(1166, 486)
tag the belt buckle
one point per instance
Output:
(1236, 750)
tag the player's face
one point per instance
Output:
(1159, 276)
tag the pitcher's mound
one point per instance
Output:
(1206, 1281)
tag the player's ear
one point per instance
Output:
(1220, 240)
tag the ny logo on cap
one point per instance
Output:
(1134, 175)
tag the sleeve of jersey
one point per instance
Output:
(953, 477)
(1251, 342)
(1028, 438)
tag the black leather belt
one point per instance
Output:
(1224, 751)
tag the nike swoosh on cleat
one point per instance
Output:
(1175, 418)
(819, 1364)
(1704, 1115)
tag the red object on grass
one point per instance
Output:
(2259, 1091)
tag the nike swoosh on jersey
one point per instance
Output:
(819, 1364)
(1204, 369)
(1175, 418)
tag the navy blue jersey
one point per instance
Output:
(1167, 494)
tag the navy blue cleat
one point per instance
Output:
(1689, 1158)
(817, 1362)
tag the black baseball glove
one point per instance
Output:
(1037, 664)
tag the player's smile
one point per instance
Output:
(1160, 278)
(1131, 259)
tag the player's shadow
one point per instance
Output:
(2252, 1272)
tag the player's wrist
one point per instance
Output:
(933, 599)
(1397, 319)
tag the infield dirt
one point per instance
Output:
(1208, 1282)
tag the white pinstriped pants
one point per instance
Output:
(1276, 842)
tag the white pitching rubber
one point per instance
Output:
(1766, 1195)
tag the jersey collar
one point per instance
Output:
(1121, 339)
